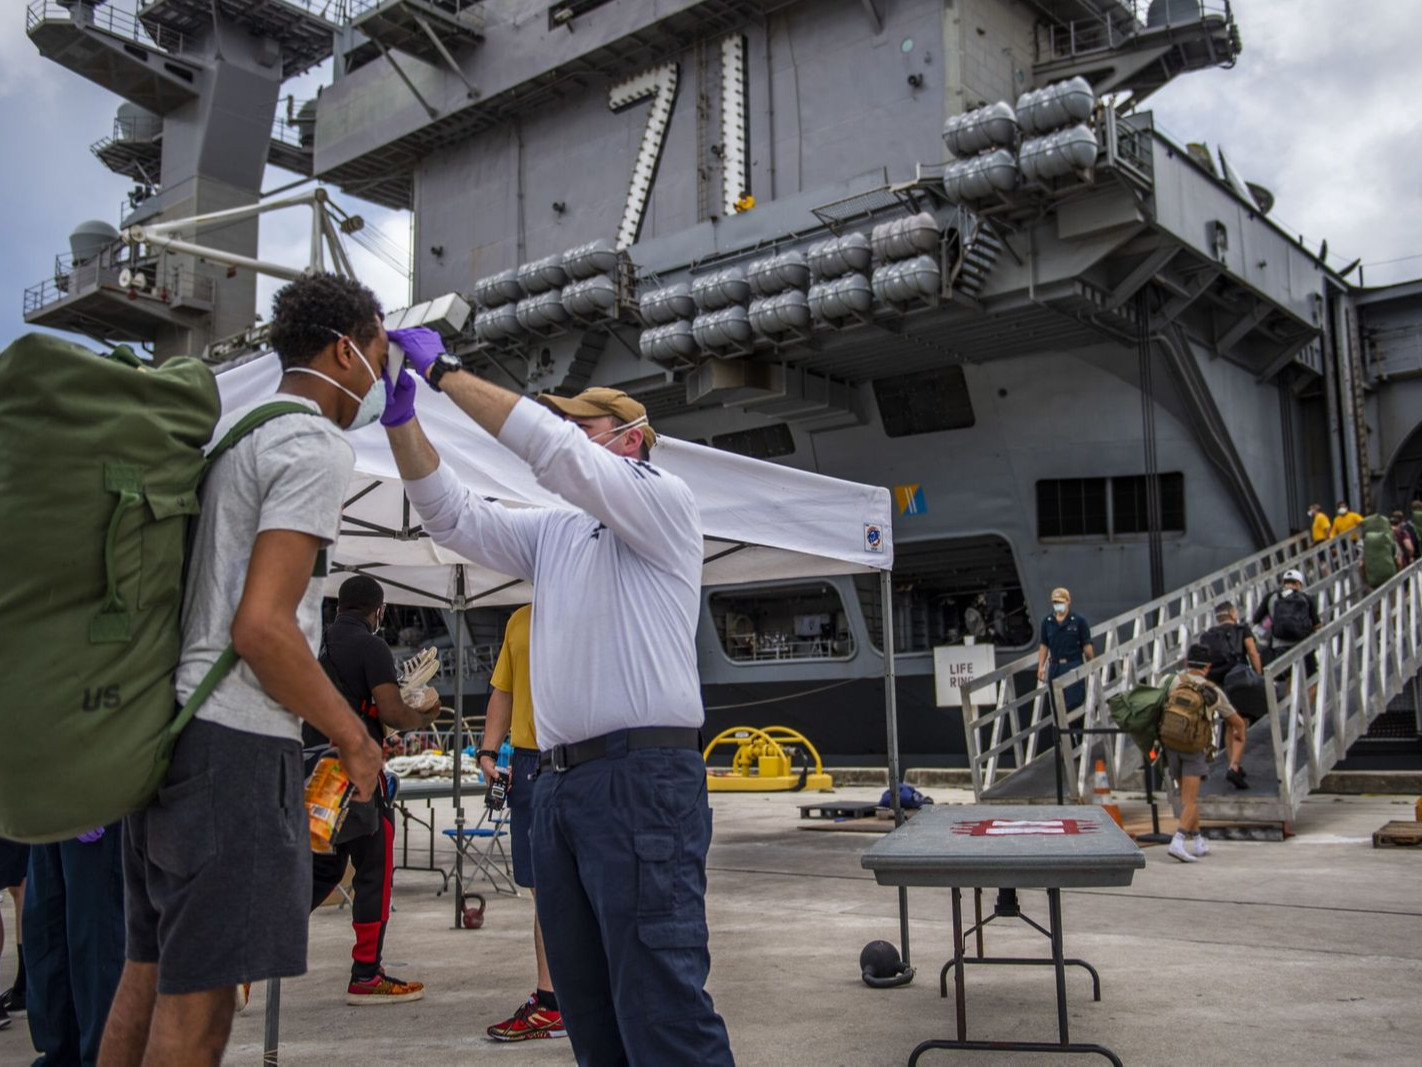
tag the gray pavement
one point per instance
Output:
(1307, 951)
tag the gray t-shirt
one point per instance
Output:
(288, 474)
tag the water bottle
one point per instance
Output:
(505, 755)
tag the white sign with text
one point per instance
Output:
(955, 666)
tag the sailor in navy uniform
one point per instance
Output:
(1065, 645)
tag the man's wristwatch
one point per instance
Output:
(442, 365)
(491, 753)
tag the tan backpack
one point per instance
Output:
(1185, 719)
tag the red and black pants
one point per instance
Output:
(373, 857)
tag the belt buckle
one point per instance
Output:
(559, 759)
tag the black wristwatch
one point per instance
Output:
(491, 753)
(443, 364)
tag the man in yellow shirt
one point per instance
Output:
(1346, 520)
(1320, 525)
(510, 712)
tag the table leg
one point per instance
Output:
(1054, 912)
(978, 916)
(960, 946)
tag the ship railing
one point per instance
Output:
(112, 20)
(172, 283)
(1108, 32)
(1008, 732)
(1366, 654)
(479, 662)
(350, 10)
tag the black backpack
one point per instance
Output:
(1292, 620)
(1226, 645)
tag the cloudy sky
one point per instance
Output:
(1322, 109)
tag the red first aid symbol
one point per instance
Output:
(1024, 827)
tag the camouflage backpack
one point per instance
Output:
(1185, 719)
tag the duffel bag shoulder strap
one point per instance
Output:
(258, 416)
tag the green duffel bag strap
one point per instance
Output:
(247, 423)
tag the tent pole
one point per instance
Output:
(891, 717)
(456, 630)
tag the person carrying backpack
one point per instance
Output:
(1233, 652)
(1187, 739)
(1291, 616)
(217, 868)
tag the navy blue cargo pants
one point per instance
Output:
(74, 945)
(619, 856)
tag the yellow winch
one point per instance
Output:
(763, 762)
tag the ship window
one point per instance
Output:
(1072, 507)
(1128, 504)
(759, 442)
(775, 624)
(924, 402)
(949, 589)
(1107, 507)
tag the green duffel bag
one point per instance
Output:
(100, 463)
(1138, 711)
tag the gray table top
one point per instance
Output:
(1021, 846)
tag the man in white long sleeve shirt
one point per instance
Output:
(621, 823)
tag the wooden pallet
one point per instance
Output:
(1399, 834)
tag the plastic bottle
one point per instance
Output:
(505, 755)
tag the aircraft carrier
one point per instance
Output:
(937, 245)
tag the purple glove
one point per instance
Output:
(422, 346)
(92, 836)
(399, 400)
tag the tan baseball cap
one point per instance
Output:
(1061, 593)
(599, 401)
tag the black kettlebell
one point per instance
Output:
(881, 967)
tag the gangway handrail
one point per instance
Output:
(1366, 655)
(1177, 612)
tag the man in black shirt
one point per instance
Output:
(363, 669)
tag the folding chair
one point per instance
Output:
(483, 846)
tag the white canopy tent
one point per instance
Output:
(760, 520)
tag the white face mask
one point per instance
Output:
(618, 431)
(1059, 607)
(372, 405)
(1342, 511)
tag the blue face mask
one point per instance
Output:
(372, 405)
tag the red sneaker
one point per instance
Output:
(382, 989)
(530, 1021)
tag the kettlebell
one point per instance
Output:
(881, 967)
(473, 914)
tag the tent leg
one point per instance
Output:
(271, 1040)
(456, 630)
(891, 717)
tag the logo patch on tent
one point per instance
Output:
(873, 537)
(910, 499)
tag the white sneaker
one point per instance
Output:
(1201, 846)
(244, 996)
(1180, 851)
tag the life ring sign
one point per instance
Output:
(1023, 827)
(873, 537)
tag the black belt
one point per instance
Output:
(564, 757)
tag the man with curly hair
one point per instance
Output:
(217, 868)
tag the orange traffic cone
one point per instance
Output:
(1102, 792)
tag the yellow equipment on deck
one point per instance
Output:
(763, 762)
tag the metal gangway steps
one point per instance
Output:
(1368, 651)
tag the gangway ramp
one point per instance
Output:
(1008, 738)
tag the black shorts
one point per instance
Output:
(525, 773)
(14, 861)
(217, 869)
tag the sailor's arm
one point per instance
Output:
(484, 532)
